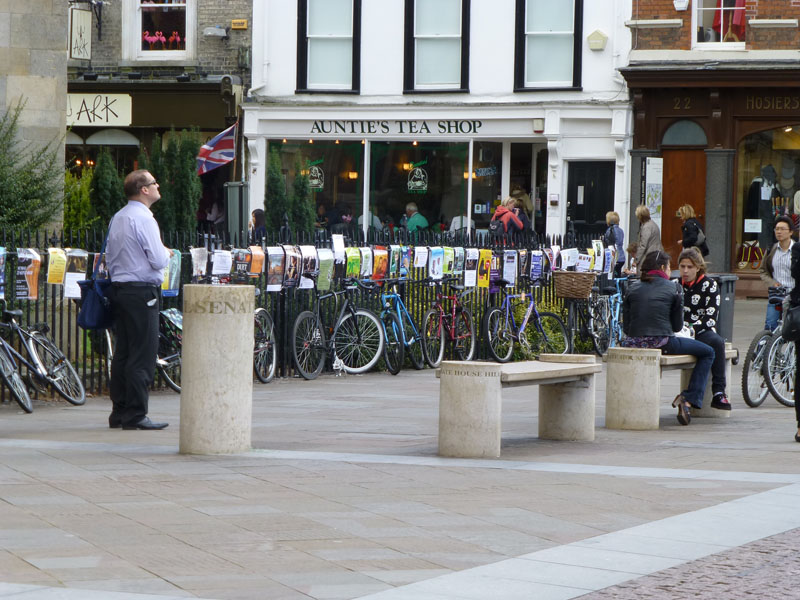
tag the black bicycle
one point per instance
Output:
(45, 362)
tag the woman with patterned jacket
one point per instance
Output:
(700, 312)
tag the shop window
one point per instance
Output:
(548, 44)
(719, 22)
(328, 45)
(160, 30)
(767, 186)
(437, 45)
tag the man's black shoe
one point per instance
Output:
(146, 423)
(116, 425)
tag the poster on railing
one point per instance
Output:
(495, 271)
(291, 276)
(484, 267)
(471, 267)
(524, 263)
(599, 255)
(276, 267)
(56, 266)
(172, 276)
(510, 267)
(420, 257)
(449, 260)
(77, 261)
(2, 271)
(338, 247)
(584, 263)
(380, 263)
(395, 256)
(353, 263)
(257, 262)
(199, 263)
(241, 262)
(221, 262)
(537, 265)
(308, 264)
(555, 259)
(436, 262)
(458, 261)
(326, 260)
(366, 262)
(405, 261)
(28, 264)
(610, 254)
(98, 263)
(569, 258)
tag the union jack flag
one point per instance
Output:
(218, 151)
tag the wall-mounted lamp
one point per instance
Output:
(407, 166)
(352, 175)
(789, 129)
(216, 31)
(474, 175)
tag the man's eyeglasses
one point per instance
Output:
(154, 182)
(782, 229)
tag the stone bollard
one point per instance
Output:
(217, 369)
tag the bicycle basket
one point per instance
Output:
(573, 284)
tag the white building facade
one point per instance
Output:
(389, 101)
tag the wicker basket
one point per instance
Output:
(573, 284)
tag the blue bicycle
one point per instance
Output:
(615, 333)
(548, 334)
(401, 333)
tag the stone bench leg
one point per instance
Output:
(470, 405)
(566, 410)
(633, 388)
(707, 411)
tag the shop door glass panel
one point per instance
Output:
(684, 183)
(590, 195)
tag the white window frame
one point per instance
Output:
(712, 45)
(132, 35)
(445, 84)
(528, 34)
(309, 38)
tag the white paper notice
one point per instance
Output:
(569, 257)
(420, 257)
(584, 262)
(471, 267)
(752, 225)
(71, 289)
(223, 261)
(510, 267)
(338, 247)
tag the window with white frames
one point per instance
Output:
(328, 39)
(159, 30)
(719, 22)
(548, 44)
(437, 45)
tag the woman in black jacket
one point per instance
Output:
(652, 312)
(693, 233)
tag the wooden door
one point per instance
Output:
(684, 183)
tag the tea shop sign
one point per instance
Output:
(396, 127)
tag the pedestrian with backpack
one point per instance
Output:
(507, 218)
(614, 236)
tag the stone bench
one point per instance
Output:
(470, 401)
(633, 386)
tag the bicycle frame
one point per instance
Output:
(17, 359)
(393, 302)
(507, 307)
(615, 304)
(448, 318)
(347, 306)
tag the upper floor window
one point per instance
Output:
(548, 44)
(719, 21)
(163, 30)
(437, 45)
(328, 45)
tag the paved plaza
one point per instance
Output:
(344, 497)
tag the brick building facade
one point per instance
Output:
(717, 121)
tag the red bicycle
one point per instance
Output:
(452, 323)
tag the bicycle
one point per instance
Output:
(401, 332)
(779, 368)
(168, 361)
(589, 319)
(264, 356)
(356, 337)
(548, 335)
(754, 383)
(454, 325)
(615, 332)
(46, 364)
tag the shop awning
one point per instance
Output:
(73, 139)
(112, 137)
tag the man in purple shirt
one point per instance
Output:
(136, 259)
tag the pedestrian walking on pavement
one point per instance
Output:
(693, 233)
(649, 235)
(652, 311)
(701, 302)
(136, 259)
(776, 270)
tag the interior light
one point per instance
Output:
(284, 140)
(78, 162)
(363, 142)
(414, 143)
(789, 129)
(310, 141)
(352, 175)
(337, 141)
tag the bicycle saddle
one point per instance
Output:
(312, 275)
(457, 287)
(502, 283)
(11, 314)
(609, 291)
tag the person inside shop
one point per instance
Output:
(630, 265)
(372, 219)
(414, 221)
(649, 233)
(614, 236)
(524, 199)
(693, 232)
(510, 216)
(327, 217)
(652, 313)
(776, 270)
(701, 300)
(461, 222)
(258, 226)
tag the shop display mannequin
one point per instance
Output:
(760, 197)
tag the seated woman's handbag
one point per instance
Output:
(95, 311)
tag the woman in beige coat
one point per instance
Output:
(649, 234)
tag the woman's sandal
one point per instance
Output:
(684, 416)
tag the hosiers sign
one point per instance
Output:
(418, 178)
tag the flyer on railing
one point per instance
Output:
(436, 262)
(449, 260)
(276, 265)
(458, 265)
(77, 261)
(395, 256)
(420, 257)
(2, 271)
(484, 268)
(353, 262)
(56, 266)
(199, 263)
(172, 276)
(510, 267)
(291, 276)
(471, 267)
(380, 263)
(28, 265)
(366, 262)
(308, 264)
(326, 261)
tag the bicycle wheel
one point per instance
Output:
(13, 381)
(393, 348)
(168, 361)
(464, 342)
(308, 345)
(108, 340)
(60, 372)
(264, 356)
(499, 337)
(599, 328)
(413, 343)
(358, 341)
(548, 335)
(754, 385)
(433, 337)
(779, 367)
